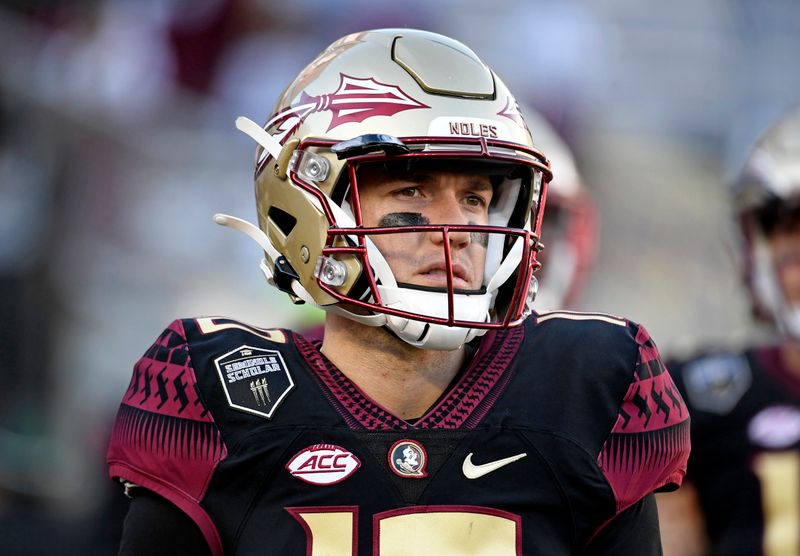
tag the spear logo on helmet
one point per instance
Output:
(355, 100)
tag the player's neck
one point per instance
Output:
(403, 379)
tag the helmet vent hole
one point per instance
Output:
(282, 220)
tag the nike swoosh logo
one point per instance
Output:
(472, 471)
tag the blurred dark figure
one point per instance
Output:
(745, 407)
(65, 92)
(29, 192)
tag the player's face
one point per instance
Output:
(784, 243)
(389, 200)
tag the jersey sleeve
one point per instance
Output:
(648, 446)
(164, 438)
(155, 527)
(633, 532)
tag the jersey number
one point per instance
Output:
(209, 325)
(779, 474)
(462, 530)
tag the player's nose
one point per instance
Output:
(447, 210)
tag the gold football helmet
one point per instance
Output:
(414, 100)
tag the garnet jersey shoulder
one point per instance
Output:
(609, 392)
(166, 436)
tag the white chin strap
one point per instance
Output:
(434, 304)
(769, 293)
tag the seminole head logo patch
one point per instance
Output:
(255, 380)
(408, 459)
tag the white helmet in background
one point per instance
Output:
(570, 225)
(768, 192)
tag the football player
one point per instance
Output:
(398, 188)
(743, 496)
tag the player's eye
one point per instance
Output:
(409, 192)
(476, 201)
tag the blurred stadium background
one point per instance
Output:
(117, 145)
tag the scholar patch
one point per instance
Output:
(255, 380)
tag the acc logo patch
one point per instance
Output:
(255, 380)
(323, 464)
(408, 459)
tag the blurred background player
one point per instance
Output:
(745, 407)
(569, 228)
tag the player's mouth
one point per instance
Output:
(436, 275)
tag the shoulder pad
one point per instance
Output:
(575, 315)
(248, 362)
(164, 438)
(213, 325)
(648, 447)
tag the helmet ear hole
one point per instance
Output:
(282, 220)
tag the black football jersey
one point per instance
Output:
(745, 458)
(555, 428)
